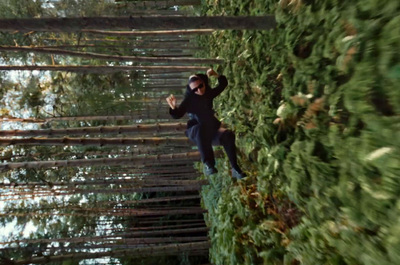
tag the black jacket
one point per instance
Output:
(200, 108)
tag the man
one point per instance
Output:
(203, 127)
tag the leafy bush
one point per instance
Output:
(315, 104)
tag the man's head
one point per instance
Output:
(197, 85)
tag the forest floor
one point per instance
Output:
(315, 105)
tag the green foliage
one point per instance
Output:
(20, 9)
(315, 105)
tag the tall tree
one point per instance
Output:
(94, 141)
(103, 69)
(138, 129)
(144, 160)
(154, 33)
(156, 4)
(141, 59)
(149, 22)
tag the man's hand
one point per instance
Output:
(211, 72)
(171, 101)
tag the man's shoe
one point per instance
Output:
(209, 170)
(238, 175)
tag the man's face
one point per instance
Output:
(198, 87)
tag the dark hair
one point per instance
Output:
(197, 77)
(194, 79)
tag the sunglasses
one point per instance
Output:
(197, 88)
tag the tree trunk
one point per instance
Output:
(118, 58)
(142, 150)
(165, 76)
(169, 54)
(135, 129)
(120, 244)
(151, 39)
(103, 69)
(122, 11)
(130, 42)
(125, 212)
(151, 33)
(145, 160)
(157, 4)
(137, 182)
(75, 118)
(148, 22)
(148, 221)
(138, 190)
(146, 99)
(163, 51)
(147, 170)
(162, 227)
(154, 200)
(158, 80)
(125, 236)
(125, 47)
(94, 141)
(161, 87)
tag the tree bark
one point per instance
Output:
(94, 141)
(142, 150)
(160, 87)
(131, 42)
(169, 54)
(123, 11)
(135, 129)
(90, 55)
(145, 160)
(103, 69)
(165, 76)
(136, 182)
(162, 227)
(125, 236)
(154, 200)
(138, 190)
(151, 46)
(112, 212)
(157, 80)
(120, 244)
(75, 118)
(138, 22)
(149, 221)
(157, 4)
(151, 33)
(147, 170)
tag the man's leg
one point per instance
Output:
(203, 139)
(226, 138)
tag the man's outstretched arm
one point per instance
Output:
(174, 111)
(222, 83)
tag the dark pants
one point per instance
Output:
(205, 138)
